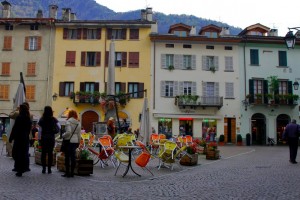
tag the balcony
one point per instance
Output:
(276, 100)
(194, 101)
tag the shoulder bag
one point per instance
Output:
(65, 143)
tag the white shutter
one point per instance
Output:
(228, 63)
(162, 88)
(216, 62)
(176, 92)
(216, 91)
(229, 90)
(204, 88)
(180, 88)
(163, 61)
(181, 62)
(176, 61)
(204, 63)
(193, 61)
(194, 88)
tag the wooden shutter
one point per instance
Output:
(5, 68)
(109, 33)
(70, 58)
(97, 86)
(265, 90)
(251, 91)
(290, 91)
(65, 33)
(98, 37)
(194, 88)
(61, 91)
(98, 58)
(193, 61)
(83, 55)
(123, 87)
(134, 34)
(106, 58)
(31, 69)
(30, 92)
(84, 33)
(162, 88)
(7, 45)
(26, 44)
(82, 86)
(124, 33)
(79, 33)
(163, 61)
(133, 59)
(124, 59)
(141, 88)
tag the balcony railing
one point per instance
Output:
(201, 101)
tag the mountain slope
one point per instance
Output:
(91, 10)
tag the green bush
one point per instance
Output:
(239, 138)
(221, 138)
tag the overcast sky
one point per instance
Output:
(273, 14)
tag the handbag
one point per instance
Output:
(65, 143)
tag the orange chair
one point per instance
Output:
(188, 140)
(154, 140)
(107, 151)
(143, 159)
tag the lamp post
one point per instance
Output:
(296, 85)
(54, 96)
(290, 37)
(246, 103)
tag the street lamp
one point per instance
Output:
(290, 38)
(296, 85)
(246, 103)
(54, 96)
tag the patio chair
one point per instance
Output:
(154, 140)
(122, 159)
(4, 141)
(188, 140)
(167, 155)
(143, 159)
(84, 139)
(107, 151)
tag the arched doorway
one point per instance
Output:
(88, 118)
(258, 129)
(281, 121)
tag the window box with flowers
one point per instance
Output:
(191, 156)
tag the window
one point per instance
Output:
(30, 92)
(34, 27)
(120, 59)
(7, 45)
(92, 34)
(180, 33)
(210, 47)
(5, 69)
(31, 69)
(133, 59)
(89, 86)
(116, 34)
(187, 46)
(211, 34)
(70, 58)
(72, 34)
(33, 43)
(187, 61)
(4, 91)
(66, 88)
(187, 88)
(258, 88)
(169, 88)
(254, 59)
(120, 87)
(282, 58)
(134, 34)
(254, 33)
(9, 27)
(283, 87)
(134, 88)
(90, 59)
(169, 60)
(229, 63)
(210, 92)
(210, 63)
(169, 45)
(229, 92)
(228, 48)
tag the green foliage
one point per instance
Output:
(221, 138)
(239, 138)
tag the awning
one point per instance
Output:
(190, 115)
(2, 115)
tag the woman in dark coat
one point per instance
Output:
(20, 135)
(47, 124)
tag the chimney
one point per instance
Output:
(149, 14)
(39, 14)
(53, 11)
(193, 31)
(143, 15)
(73, 16)
(273, 32)
(225, 31)
(66, 14)
(6, 9)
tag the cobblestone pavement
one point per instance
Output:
(242, 173)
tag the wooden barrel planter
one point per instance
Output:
(212, 155)
(82, 168)
(38, 158)
(189, 159)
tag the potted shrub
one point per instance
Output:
(221, 140)
(212, 152)
(95, 97)
(191, 157)
(171, 67)
(258, 98)
(295, 97)
(212, 69)
(239, 140)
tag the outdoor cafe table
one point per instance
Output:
(129, 166)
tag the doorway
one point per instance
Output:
(88, 118)
(258, 129)
(281, 122)
(186, 126)
(229, 129)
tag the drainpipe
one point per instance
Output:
(245, 73)
(49, 64)
(153, 78)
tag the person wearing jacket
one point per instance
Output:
(73, 133)
(47, 133)
(291, 134)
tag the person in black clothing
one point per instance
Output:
(291, 134)
(47, 132)
(20, 135)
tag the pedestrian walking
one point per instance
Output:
(291, 134)
(73, 136)
(20, 135)
(49, 126)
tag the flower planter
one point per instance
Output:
(212, 155)
(83, 167)
(189, 159)
(239, 143)
(38, 158)
(221, 143)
